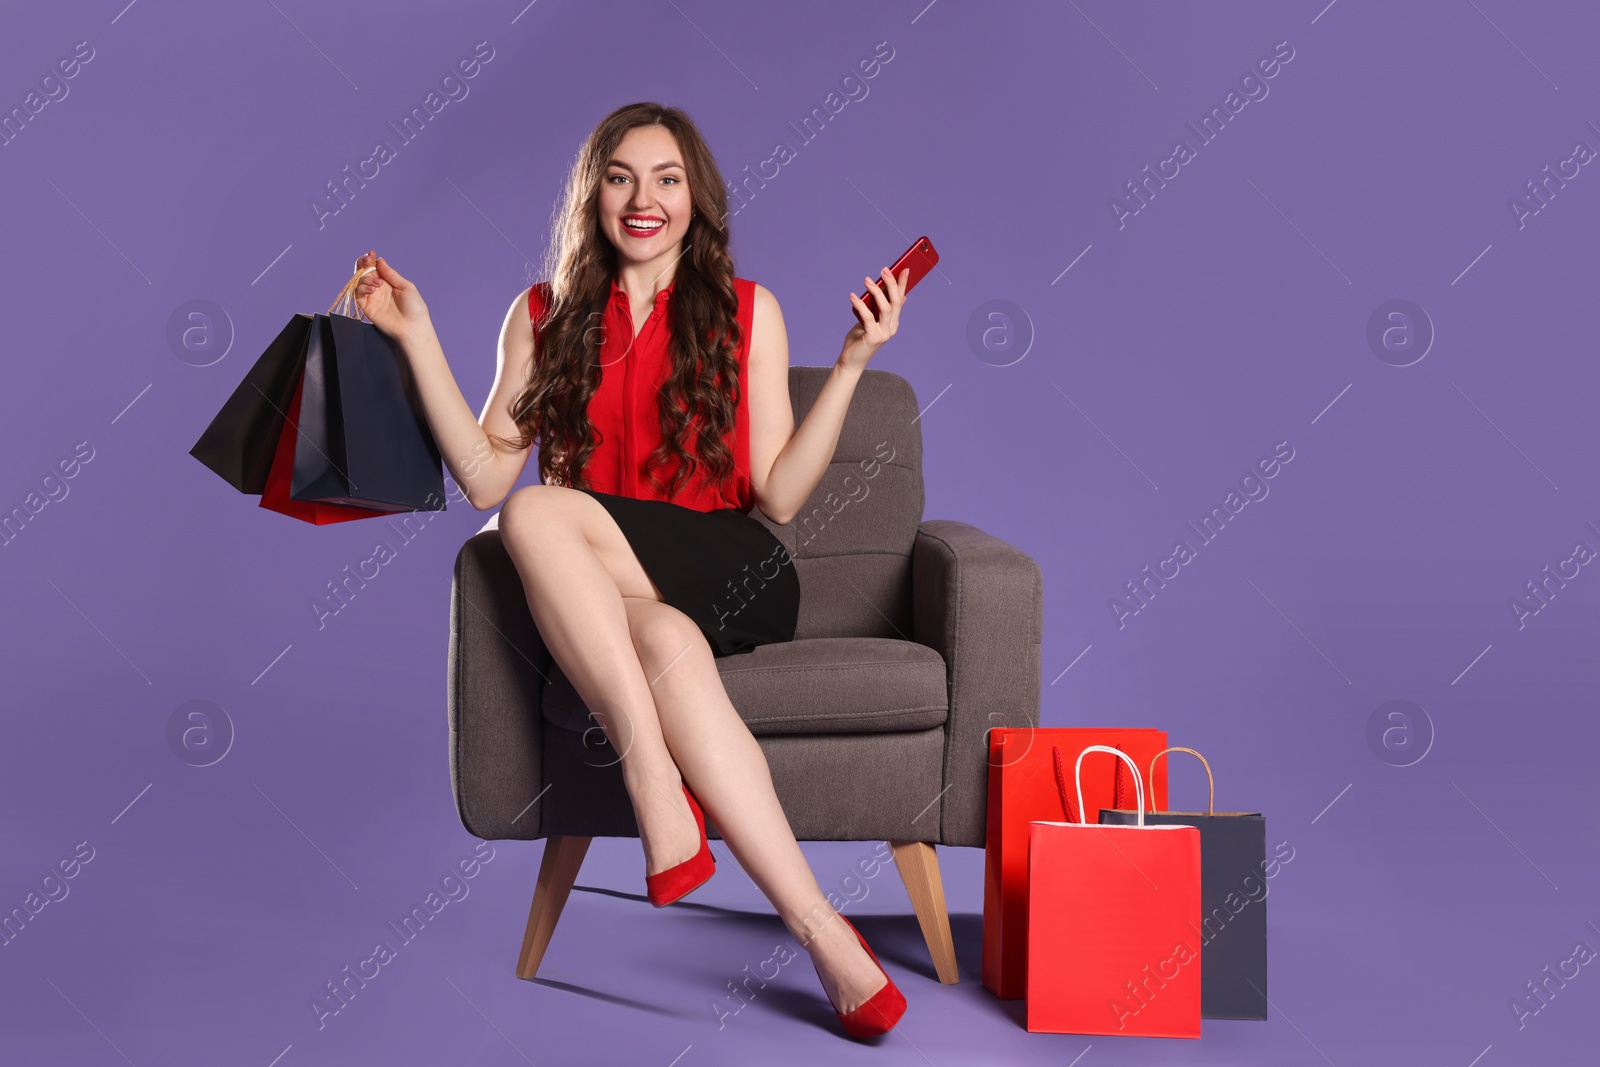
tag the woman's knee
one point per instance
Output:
(662, 634)
(533, 506)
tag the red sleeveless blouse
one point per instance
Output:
(625, 409)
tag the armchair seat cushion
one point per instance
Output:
(819, 685)
(838, 685)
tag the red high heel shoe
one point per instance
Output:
(683, 878)
(881, 1011)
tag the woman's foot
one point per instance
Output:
(676, 835)
(848, 974)
(685, 876)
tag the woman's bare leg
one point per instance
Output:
(587, 593)
(575, 565)
(728, 772)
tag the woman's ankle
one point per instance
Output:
(667, 829)
(663, 780)
(805, 926)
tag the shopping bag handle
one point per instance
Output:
(345, 303)
(1077, 779)
(1061, 785)
(1211, 784)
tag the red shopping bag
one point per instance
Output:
(1113, 924)
(1022, 788)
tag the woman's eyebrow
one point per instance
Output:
(659, 166)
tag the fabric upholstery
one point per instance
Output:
(819, 685)
(841, 787)
(852, 541)
(980, 603)
(497, 669)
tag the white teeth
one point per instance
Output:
(639, 225)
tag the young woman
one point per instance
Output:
(655, 384)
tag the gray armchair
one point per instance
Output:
(914, 639)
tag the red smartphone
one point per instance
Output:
(920, 258)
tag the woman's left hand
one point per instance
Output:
(869, 334)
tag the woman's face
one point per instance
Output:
(644, 195)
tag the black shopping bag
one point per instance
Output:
(361, 438)
(1233, 900)
(364, 436)
(240, 441)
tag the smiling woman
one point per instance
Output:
(654, 383)
(667, 453)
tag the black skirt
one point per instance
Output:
(722, 568)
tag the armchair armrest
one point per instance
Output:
(980, 603)
(498, 667)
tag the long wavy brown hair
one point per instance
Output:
(701, 392)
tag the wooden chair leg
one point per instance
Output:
(919, 870)
(557, 871)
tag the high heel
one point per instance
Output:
(683, 878)
(881, 1011)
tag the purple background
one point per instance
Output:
(1223, 318)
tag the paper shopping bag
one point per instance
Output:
(241, 441)
(1113, 924)
(1022, 788)
(364, 435)
(1233, 900)
(276, 496)
(358, 445)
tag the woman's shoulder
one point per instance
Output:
(756, 301)
(754, 292)
(752, 296)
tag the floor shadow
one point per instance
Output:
(1015, 1010)
(609, 998)
(735, 914)
(640, 897)
(896, 939)
(796, 1004)
(899, 938)
(810, 1008)
(966, 931)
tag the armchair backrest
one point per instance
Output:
(852, 541)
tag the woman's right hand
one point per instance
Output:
(392, 303)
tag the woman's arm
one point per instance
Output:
(485, 471)
(787, 463)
